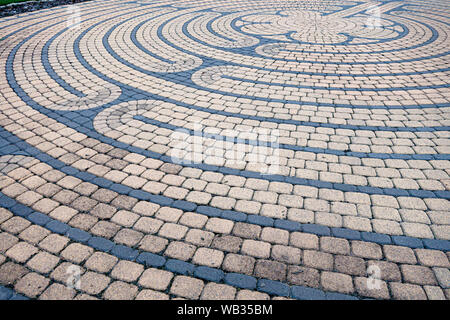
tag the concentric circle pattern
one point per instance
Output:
(226, 149)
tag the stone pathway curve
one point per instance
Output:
(226, 149)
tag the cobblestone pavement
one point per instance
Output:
(226, 149)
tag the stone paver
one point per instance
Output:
(239, 150)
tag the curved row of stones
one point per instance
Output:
(225, 149)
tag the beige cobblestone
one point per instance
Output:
(366, 250)
(208, 257)
(155, 279)
(432, 258)
(119, 290)
(275, 235)
(215, 291)
(151, 295)
(58, 291)
(43, 262)
(218, 225)
(258, 249)
(31, 285)
(399, 254)
(405, 291)
(187, 287)
(101, 262)
(76, 252)
(21, 252)
(180, 250)
(332, 281)
(326, 131)
(418, 275)
(318, 260)
(127, 271)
